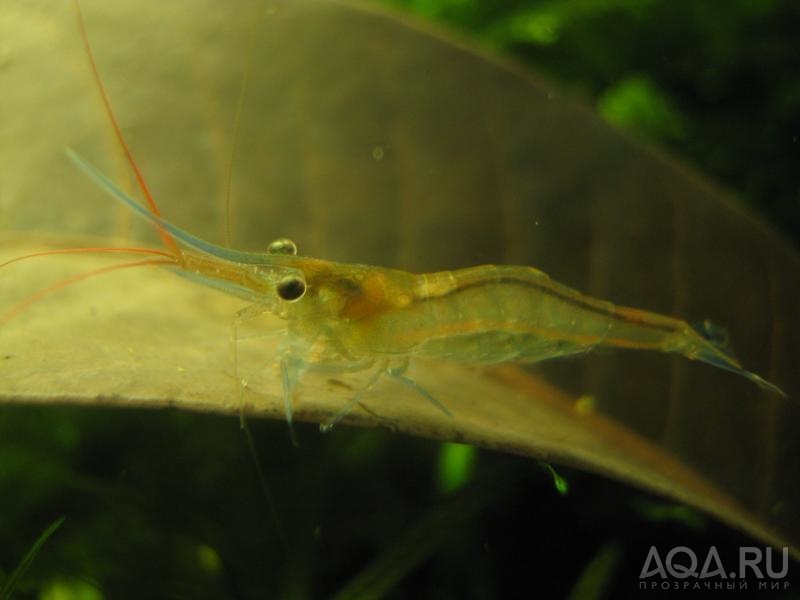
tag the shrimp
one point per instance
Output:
(356, 316)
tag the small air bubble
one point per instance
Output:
(378, 153)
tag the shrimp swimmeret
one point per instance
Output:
(359, 316)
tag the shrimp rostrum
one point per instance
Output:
(358, 316)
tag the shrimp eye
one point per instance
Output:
(282, 246)
(291, 288)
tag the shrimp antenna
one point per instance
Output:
(44, 292)
(118, 250)
(237, 122)
(265, 489)
(168, 259)
(252, 258)
(165, 236)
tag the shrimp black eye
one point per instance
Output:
(291, 288)
(282, 246)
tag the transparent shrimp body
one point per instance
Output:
(359, 316)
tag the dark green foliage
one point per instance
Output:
(168, 505)
(10, 583)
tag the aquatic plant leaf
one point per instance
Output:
(10, 584)
(427, 156)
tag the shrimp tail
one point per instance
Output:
(709, 343)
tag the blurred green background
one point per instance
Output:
(169, 504)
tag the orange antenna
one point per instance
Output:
(89, 251)
(168, 240)
(21, 306)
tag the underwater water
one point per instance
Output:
(168, 503)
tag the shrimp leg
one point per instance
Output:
(398, 373)
(293, 366)
(245, 314)
(329, 424)
(290, 374)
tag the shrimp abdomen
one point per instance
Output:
(493, 314)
